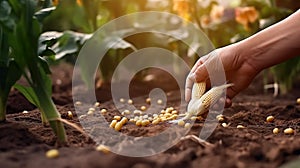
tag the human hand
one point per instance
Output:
(238, 70)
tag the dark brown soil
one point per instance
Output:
(24, 140)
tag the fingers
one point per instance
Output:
(188, 86)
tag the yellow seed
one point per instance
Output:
(113, 123)
(174, 112)
(103, 148)
(198, 90)
(52, 153)
(159, 101)
(148, 100)
(124, 120)
(187, 125)
(169, 110)
(193, 118)
(82, 116)
(92, 109)
(97, 104)
(130, 101)
(167, 115)
(137, 112)
(131, 120)
(78, 103)
(225, 125)
(25, 112)
(138, 123)
(275, 131)
(70, 114)
(145, 122)
(270, 119)
(181, 123)
(298, 100)
(90, 112)
(127, 112)
(103, 111)
(289, 131)
(118, 126)
(143, 108)
(155, 122)
(240, 126)
(118, 118)
(162, 111)
(122, 100)
(161, 115)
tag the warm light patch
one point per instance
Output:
(246, 15)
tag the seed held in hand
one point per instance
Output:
(275, 131)
(270, 119)
(289, 131)
(52, 153)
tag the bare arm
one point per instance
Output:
(242, 61)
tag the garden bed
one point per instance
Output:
(24, 140)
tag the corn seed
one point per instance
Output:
(92, 109)
(103, 148)
(70, 114)
(138, 122)
(187, 125)
(193, 118)
(240, 126)
(25, 112)
(113, 123)
(122, 100)
(118, 118)
(53, 153)
(97, 104)
(148, 100)
(118, 126)
(275, 131)
(145, 122)
(289, 131)
(155, 122)
(181, 123)
(298, 100)
(124, 120)
(90, 112)
(143, 108)
(225, 125)
(103, 111)
(78, 103)
(270, 119)
(159, 101)
(130, 101)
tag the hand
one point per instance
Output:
(238, 70)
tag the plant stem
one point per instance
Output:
(2, 109)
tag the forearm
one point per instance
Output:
(273, 45)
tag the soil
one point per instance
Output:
(24, 140)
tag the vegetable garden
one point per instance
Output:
(40, 122)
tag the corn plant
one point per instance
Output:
(22, 28)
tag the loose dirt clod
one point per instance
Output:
(289, 131)
(52, 153)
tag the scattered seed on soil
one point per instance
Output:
(126, 112)
(137, 112)
(143, 108)
(130, 101)
(90, 112)
(25, 112)
(82, 116)
(97, 104)
(122, 100)
(155, 122)
(92, 109)
(289, 131)
(181, 123)
(78, 103)
(240, 126)
(103, 111)
(275, 131)
(138, 123)
(118, 118)
(103, 148)
(124, 120)
(113, 123)
(70, 114)
(52, 153)
(118, 126)
(187, 125)
(159, 101)
(148, 100)
(270, 119)
(145, 122)
(225, 125)
(298, 100)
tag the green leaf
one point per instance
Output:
(29, 93)
(5, 10)
(44, 65)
